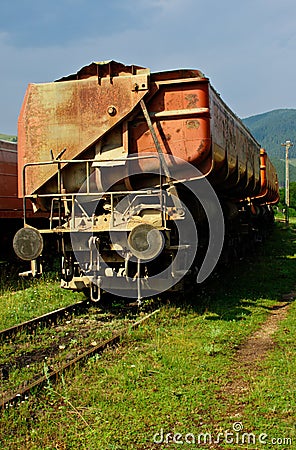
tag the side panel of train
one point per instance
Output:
(11, 206)
(143, 169)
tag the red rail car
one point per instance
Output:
(135, 144)
(11, 207)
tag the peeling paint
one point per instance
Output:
(192, 100)
(192, 124)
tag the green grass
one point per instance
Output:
(274, 411)
(280, 217)
(168, 376)
(21, 300)
(28, 355)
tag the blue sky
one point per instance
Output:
(246, 48)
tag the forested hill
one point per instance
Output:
(8, 137)
(271, 129)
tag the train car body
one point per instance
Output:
(11, 207)
(140, 140)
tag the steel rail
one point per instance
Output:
(53, 375)
(48, 318)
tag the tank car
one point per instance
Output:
(146, 178)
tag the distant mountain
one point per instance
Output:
(271, 129)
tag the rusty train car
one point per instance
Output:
(11, 207)
(144, 177)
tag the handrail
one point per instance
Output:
(58, 196)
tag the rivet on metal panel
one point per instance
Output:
(111, 110)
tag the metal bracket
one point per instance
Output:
(163, 163)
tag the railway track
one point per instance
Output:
(45, 320)
(38, 382)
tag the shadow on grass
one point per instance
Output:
(259, 281)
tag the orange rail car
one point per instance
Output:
(118, 131)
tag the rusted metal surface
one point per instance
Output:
(103, 69)
(74, 115)
(97, 138)
(236, 161)
(179, 110)
(10, 205)
(95, 113)
(269, 181)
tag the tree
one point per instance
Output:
(293, 195)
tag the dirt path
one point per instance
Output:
(249, 355)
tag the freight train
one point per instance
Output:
(148, 178)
